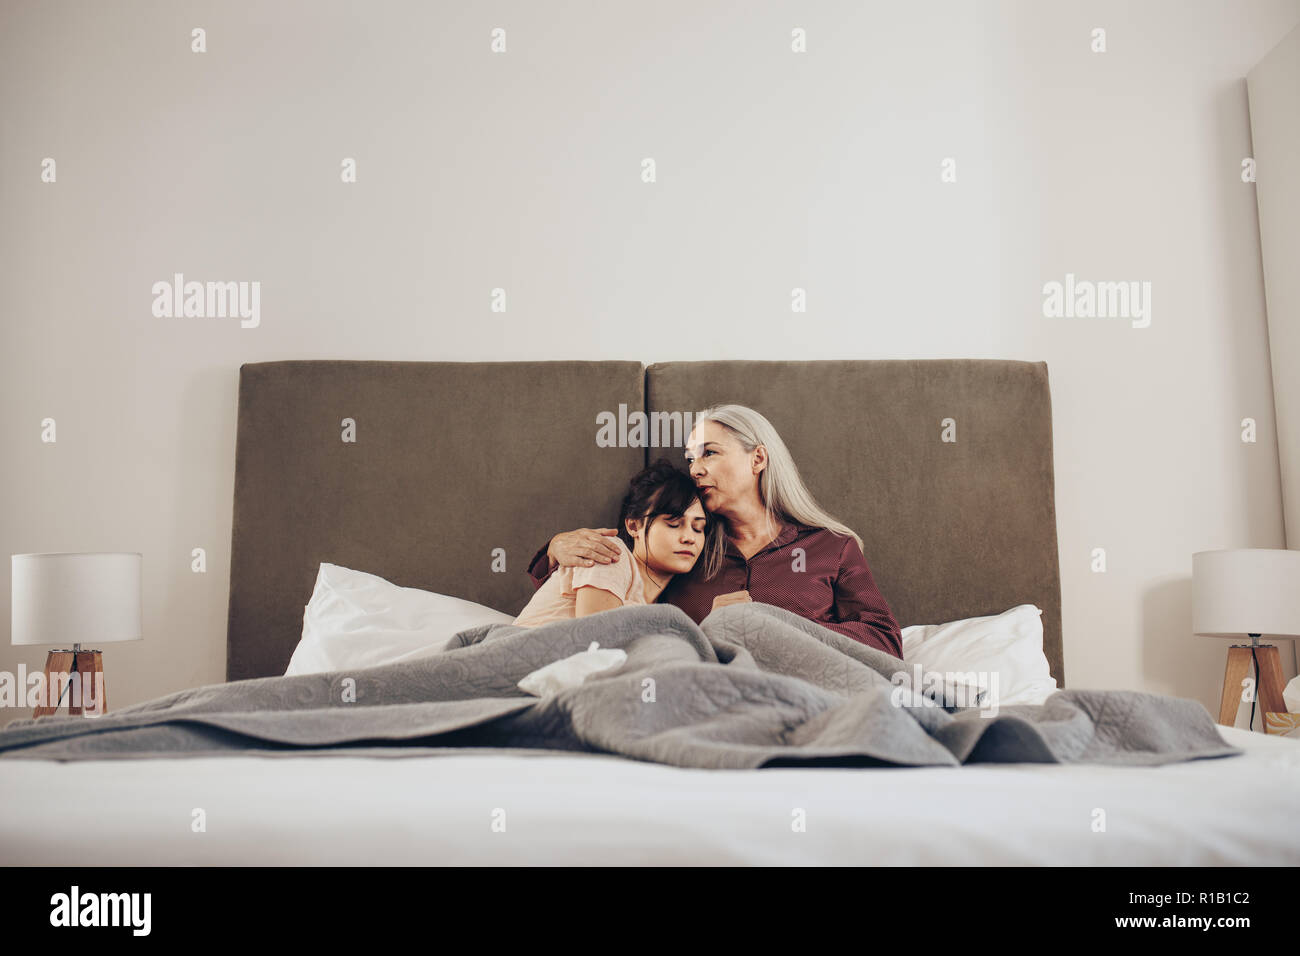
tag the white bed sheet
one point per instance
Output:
(583, 809)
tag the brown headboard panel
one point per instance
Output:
(950, 529)
(453, 460)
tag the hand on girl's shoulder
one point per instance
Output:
(617, 576)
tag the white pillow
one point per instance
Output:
(357, 620)
(1009, 645)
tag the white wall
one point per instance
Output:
(1274, 86)
(522, 170)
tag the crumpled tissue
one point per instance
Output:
(572, 671)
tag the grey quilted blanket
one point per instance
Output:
(752, 686)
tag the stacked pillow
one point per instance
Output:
(1009, 645)
(357, 620)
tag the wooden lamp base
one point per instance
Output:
(88, 688)
(1269, 691)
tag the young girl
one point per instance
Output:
(663, 529)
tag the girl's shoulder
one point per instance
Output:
(625, 562)
(623, 567)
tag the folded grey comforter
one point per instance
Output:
(751, 686)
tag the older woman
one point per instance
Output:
(779, 546)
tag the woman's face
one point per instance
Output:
(674, 542)
(724, 473)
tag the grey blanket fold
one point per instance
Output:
(752, 686)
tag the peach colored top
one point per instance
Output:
(557, 599)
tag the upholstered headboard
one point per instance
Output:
(430, 474)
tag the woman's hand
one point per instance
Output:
(583, 548)
(735, 597)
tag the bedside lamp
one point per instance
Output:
(66, 598)
(1251, 591)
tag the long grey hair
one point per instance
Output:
(780, 486)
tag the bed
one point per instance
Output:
(455, 464)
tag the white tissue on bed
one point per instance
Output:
(572, 671)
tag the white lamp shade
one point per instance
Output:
(1246, 591)
(68, 598)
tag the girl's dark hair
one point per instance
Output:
(660, 489)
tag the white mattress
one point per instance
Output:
(607, 810)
